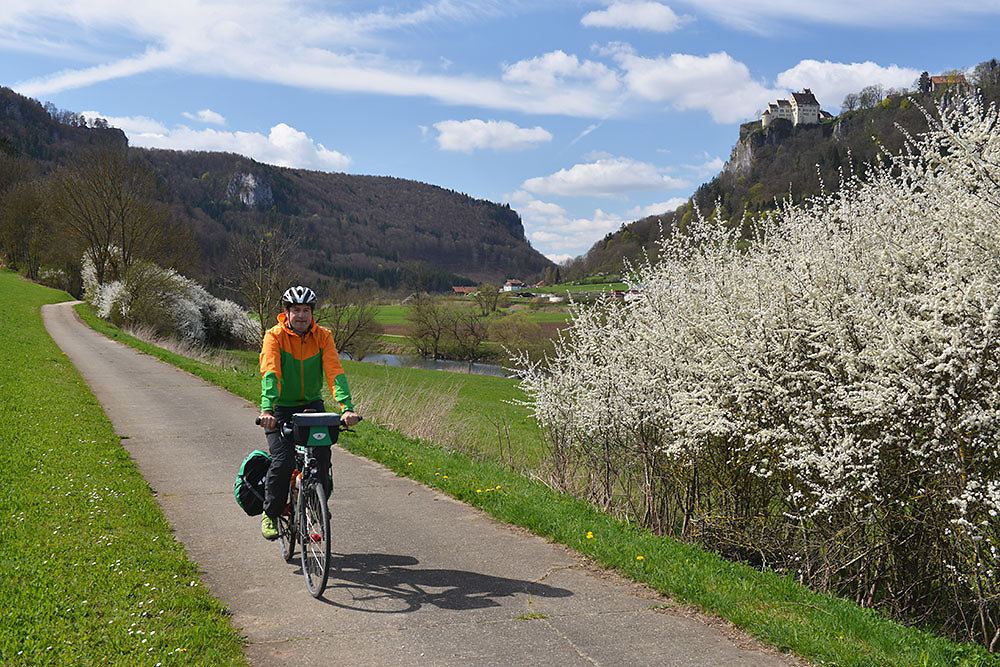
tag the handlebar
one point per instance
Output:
(286, 430)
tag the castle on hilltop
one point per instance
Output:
(802, 109)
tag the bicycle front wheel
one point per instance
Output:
(314, 537)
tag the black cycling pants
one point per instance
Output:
(282, 452)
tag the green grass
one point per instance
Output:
(90, 571)
(773, 608)
(392, 314)
(564, 288)
(482, 409)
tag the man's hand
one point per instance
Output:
(350, 418)
(267, 421)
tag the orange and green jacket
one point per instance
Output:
(292, 367)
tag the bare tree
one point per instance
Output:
(24, 236)
(262, 272)
(107, 203)
(488, 297)
(870, 96)
(466, 333)
(850, 102)
(429, 325)
(352, 321)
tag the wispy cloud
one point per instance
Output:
(289, 43)
(767, 16)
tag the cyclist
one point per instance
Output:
(296, 355)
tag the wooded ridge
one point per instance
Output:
(361, 230)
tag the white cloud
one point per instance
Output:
(656, 209)
(557, 68)
(572, 235)
(606, 177)
(129, 124)
(653, 16)
(830, 82)
(206, 116)
(283, 145)
(590, 128)
(469, 135)
(710, 167)
(715, 83)
(559, 259)
(289, 43)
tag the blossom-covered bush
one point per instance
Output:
(170, 304)
(823, 399)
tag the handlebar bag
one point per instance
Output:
(249, 486)
(316, 429)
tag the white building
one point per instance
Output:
(802, 109)
(513, 286)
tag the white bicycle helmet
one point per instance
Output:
(298, 294)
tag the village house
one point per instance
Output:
(802, 109)
(514, 285)
(946, 80)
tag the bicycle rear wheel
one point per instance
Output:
(314, 537)
(288, 532)
(288, 535)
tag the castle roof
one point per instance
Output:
(805, 98)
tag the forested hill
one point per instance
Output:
(364, 230)
(772, 164)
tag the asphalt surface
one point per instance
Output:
(419, 578)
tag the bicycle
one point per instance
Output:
(306, 518)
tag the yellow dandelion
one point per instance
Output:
(437, 474)
(498, 486)
(640, 557)
(479, 490)
(590, 535)
(410, 463)
(446, 477)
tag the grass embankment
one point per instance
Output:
(773, 608)
(90, 571)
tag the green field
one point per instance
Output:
(392, 314)
(773, 608)
(91, 573)
(398, 314)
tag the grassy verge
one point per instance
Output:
(90, 571)
(773, 608)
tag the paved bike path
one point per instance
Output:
(419, 579)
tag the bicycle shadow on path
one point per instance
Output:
(390, 584)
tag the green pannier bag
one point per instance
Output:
(249, 487)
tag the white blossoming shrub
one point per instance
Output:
(170, 304)
(824, 399)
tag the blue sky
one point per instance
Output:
(582, 115)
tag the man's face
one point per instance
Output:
(299, 316)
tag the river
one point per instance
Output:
(404, 361)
